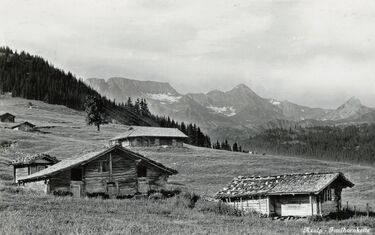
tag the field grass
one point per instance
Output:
(202, 171)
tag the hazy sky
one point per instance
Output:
(316, 53)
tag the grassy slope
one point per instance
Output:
(201, 170)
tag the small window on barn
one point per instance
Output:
(142, 171)
(104, 166)
(332, 194)
(76, 174)
(39, 168)
(33, 169)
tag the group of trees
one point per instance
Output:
(140, 106)
(226, 146)
(32, 77)
(355, 144)
(195, 135)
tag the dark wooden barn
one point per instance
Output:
(287, 195)
(24, 126)
(7, 117)
(141, 136)
(113, 172)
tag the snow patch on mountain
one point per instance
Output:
(170, 98)
(227, 111)
(275, 102)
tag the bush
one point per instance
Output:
(156, 196)
(5, 176)
(315, 218)
(62, 193)
(186, 199)
(170, 193)
(13, 190)
(5, 143)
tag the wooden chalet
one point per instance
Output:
(142, 136)
(287, 195)
(113, 172)
(24, 126)
(7, 117)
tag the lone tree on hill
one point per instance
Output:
(94, 111)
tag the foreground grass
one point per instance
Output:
(23, 212)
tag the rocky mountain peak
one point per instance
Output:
(353, 101)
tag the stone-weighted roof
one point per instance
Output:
(25, 160)
(306, 183)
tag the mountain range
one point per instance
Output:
(232, 114)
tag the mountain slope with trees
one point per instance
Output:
(32, 77)
(354, 144)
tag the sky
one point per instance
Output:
(318, 53)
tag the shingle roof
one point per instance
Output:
(145, 131)
(30, 159)
(76, 161)
(307, 183)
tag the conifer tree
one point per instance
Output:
(94, 111)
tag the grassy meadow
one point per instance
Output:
(63, 133)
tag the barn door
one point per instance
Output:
(112, 190)
(75, 190)
(143, 185)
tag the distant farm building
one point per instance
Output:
(287, 195)
(28, 165)
(24, 126)
(7, 117)
(112, 172)
(141, 136)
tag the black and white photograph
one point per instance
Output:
(187, 117)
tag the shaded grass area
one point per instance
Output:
(25, 212)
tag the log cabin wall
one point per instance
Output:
(151, 141)
(60, 182)
(20, 172)
(329, 200)
(27, 169)
(157, 179)
(297, 205)
(39, 186)
(257, 204)
(124, 174)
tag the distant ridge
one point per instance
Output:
(229, 114)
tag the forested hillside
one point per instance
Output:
(32, 77)
(354, 144)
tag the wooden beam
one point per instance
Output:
(110, 167)
(311, 204)
(14, 174)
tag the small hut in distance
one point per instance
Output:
(7, 117)
(143, 136)
(24, 126)
(299, 195)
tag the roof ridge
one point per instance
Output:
(289, 174)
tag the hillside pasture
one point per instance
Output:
(203, 171)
